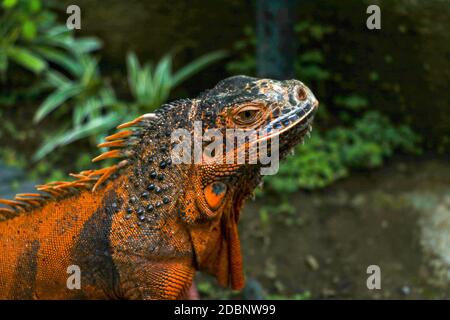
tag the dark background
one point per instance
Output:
(414, 34)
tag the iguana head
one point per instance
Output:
(266, 110)
(268, 106)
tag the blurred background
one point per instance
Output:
(370, 187)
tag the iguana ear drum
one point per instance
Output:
(214, 194)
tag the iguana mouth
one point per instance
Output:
(293, 125)
(298, 119)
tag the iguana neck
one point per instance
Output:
(149, 186)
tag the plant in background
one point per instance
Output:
(31, 38)
(245, 50)
(315, 164)
(330, 155)
(151, 85)
(72, 91)
(19, 31)
(94, 105)
(354, 137)
(85, 95)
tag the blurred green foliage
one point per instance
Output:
(151, 85)
(81, 102)
(74, 93)
(348, 136)
(93, 102)
(330, 155)
(298, 296)
(31, 37)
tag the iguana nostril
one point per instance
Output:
(301, 93)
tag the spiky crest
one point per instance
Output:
(122, 141)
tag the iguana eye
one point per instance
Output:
(247, 115)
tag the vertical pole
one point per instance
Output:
(276, 42)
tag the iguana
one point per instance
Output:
(140, 229)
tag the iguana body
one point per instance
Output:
(140, 229)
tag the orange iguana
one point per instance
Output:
(141, 228)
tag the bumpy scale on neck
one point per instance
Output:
(153, 184)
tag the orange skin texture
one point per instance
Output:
(38, 246)
(46, 226)
(45, 277)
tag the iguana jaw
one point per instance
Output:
(216, 244)
(298, 120)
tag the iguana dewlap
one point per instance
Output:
(141, 228)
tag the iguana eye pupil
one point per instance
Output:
(246, 116)
(249, 114)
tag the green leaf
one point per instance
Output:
(56, 79)
(312, 72)
(312, 56)
(352, 102)
(91, 108)
(196, 65)
(55, 99)
(29, 30)
(83, 110)
(139, 79)
(162, 80)
(92, 127)
(34, 5)
(9, 3)
(27, 59)
(59, 57)
(3, 62)
(86, 44)
(133, 68)
(142, 85)
(89, 71)
(58, 31)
